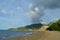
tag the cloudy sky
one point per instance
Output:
(16, 13)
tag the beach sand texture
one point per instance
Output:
(40, 35)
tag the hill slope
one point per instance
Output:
(28, 27)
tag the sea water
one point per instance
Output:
(4, 34)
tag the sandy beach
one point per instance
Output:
(39, 35)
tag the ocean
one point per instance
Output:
(4, 34)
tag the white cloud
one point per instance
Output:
(3, 11)
(12, 13)
(43, 22)
(30, 5)
(28, 14)
(19, 8)
(55, 19)
(37, 9)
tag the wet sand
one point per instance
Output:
(39, 35)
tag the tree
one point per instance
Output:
(54, 26)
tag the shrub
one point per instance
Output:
(54, 26)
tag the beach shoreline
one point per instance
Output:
(39, 35)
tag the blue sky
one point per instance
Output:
(13, 13)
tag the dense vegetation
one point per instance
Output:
(55, 26)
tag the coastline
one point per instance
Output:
(39, 35)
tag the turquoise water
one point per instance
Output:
(4, 34)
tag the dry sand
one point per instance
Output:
(40, 35)
(43, 28)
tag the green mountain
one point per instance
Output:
(28, 27)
